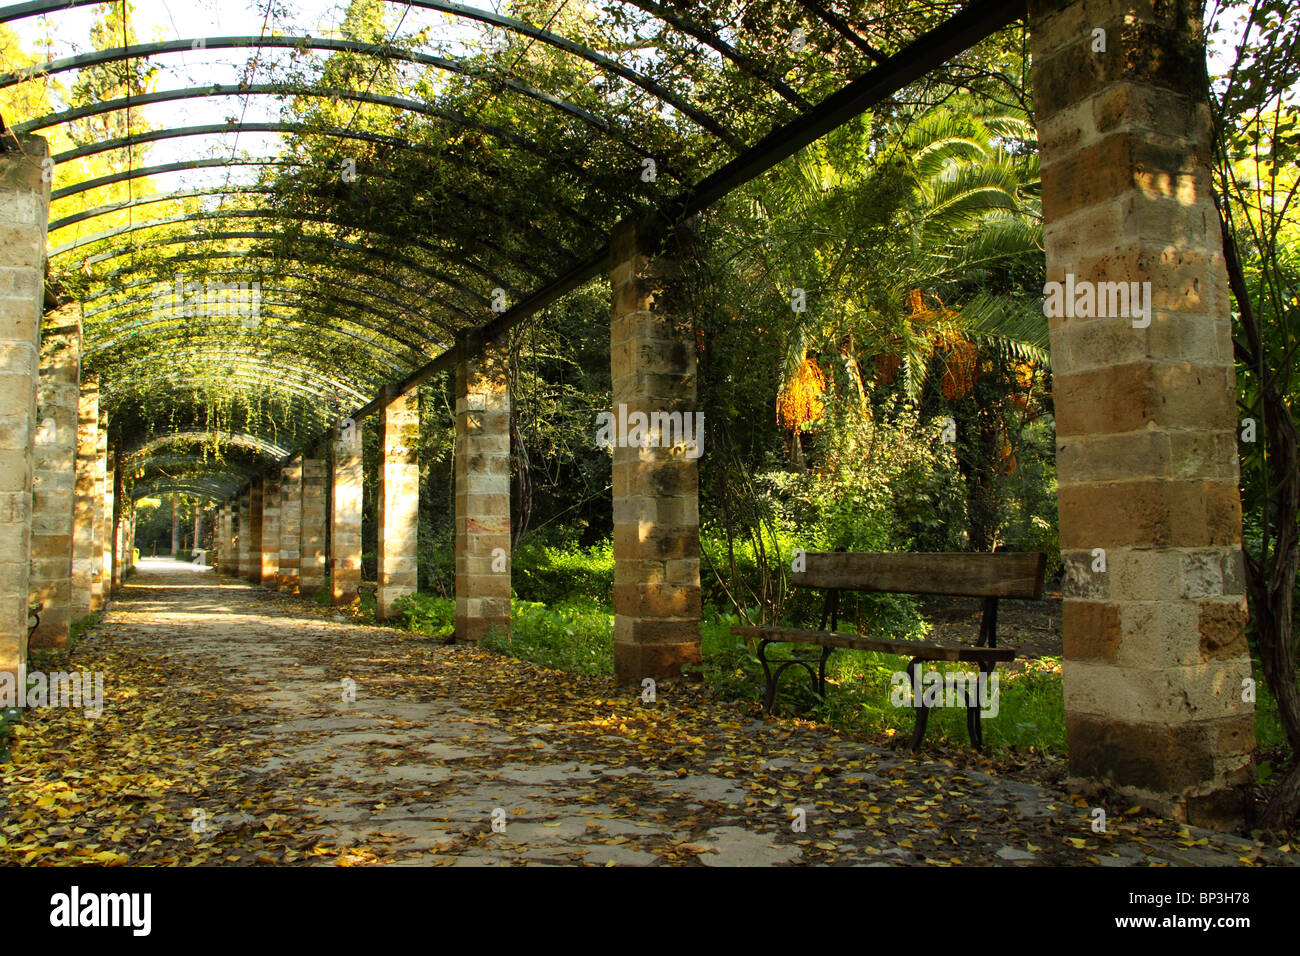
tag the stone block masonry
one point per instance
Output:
(399, 501)
(315, 521)
(345, 517)
(656, 484)
(1155, 647)
(482, 471)
(54, 486)
(290, 524)
(24, 213)
(270, 546)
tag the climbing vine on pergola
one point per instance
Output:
(459, 174)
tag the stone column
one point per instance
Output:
(290, 524)
(115, 538)
(482, 470)
(399, 501)
(83, 531)
(253, 567)
(110, 523)
(656, 484)
(345, 515)
(55, 476)
(270, 571)
(230, 542)
(1150, 529)
(315, 518)
(221, 536)
(99, 573)
(242, 531)
(176, 525)
(24, 208)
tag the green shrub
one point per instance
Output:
(575, 636)
(425, 614)
(551, 575)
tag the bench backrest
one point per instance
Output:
(1003, 574)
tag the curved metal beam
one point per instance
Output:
(396, 319)
(662, 93)
(213, 129)
(209, 491)
(112, 323)
(196, 436)
(346, 265)
(262, 381)
(109, 208)
(162, 168)
(303, 237)
(139, 172)
(335, 44)
(271, 213)
(245, 359)
(284, 321)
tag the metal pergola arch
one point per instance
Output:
(312, 384)
(243, 440)
(338, 45)
(606, 64)
(272, 214)
(113, 323)
(304, 237)
(142, 172)
(256, 253)
(138, 172)
(395, 318)
(254, 188)
(284, 321)
(196, 485)
(141, 469)
(892, 73)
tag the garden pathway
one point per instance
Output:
(245, 726)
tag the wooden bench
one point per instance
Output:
(983, 575)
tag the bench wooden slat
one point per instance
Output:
(887, 645)
(1005, 574)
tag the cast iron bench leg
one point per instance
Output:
(974, 707)
(769, 694)
(921, 712)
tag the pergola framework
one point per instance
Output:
(1147, 712)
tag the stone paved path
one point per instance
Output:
(229, 721)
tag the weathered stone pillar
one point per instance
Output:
(345, 516)
(315, 518)
(253, 568)
(399, 501)
(230, 540)
(176, 525)
(24, 207)
(242, 533)
(1150, 529)
(115, 538)
(55, 476)
(290, 524)
(83, 530)
(270, 571)
(482, 472)
(656, 484)
(110, 523)
(99, 573)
